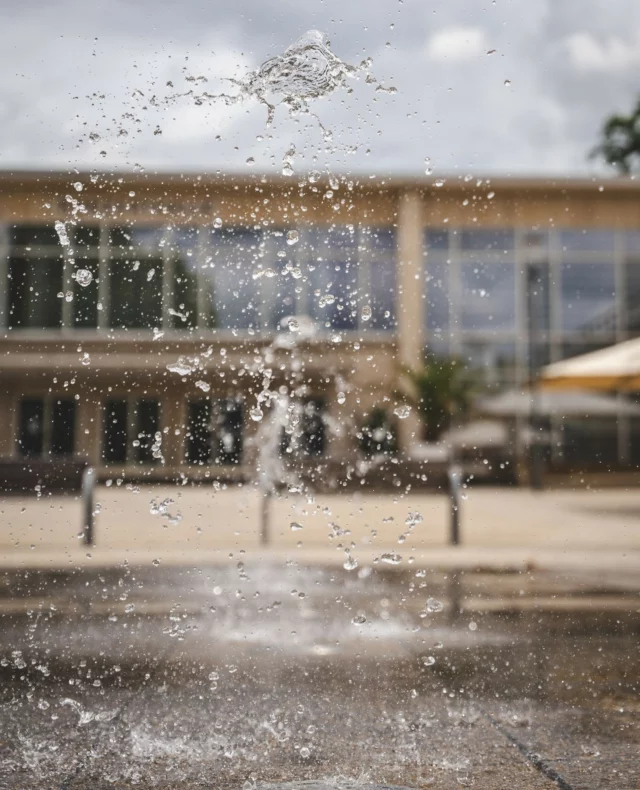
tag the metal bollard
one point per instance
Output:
(265, 520)
(88, 487)
(454, 474)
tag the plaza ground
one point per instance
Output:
(501, 528)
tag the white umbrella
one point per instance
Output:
(613, 368)
(565, 403)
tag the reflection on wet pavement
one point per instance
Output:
(240, 676)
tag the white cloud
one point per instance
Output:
(456, 44)
(587, 53)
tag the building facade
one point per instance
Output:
(141, 314)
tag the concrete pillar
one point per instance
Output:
(410, 304)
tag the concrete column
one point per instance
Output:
(410, 304)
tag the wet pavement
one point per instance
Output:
(243, 675)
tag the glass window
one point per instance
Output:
(34, 286)
(184, 295)
(381, 243)
(492, 364)
(184, 291)
(437, 239)
(85, 235)
(129, 429)
(587, 240)
(46, 426)
(487, 296)
(590, 442)
(632, 296)
(31, 427)
(334, 279)
(34, 236)
(538, 296)
(382, 275)
(214, 432)
(573, 348)
(85, 297)
(632, 241)
(135, 293)
(279, 281)
(487, 239)
(198, 448)
(535, 240)
(115, 431)
(587, 294)
(438, 294)
(63, 414)
(231, 294)
(141, 240)
(146, 414)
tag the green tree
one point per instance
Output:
(440, 390)
(620, 144)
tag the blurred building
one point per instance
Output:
(141, 342)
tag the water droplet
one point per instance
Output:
(428, 661)
(203, 386)
(366, 313)
(256, 414)
(350, 564)
(305, 752)
(391, 558)
(86, 359)
(292, 237)
(473, 626)
(287, 169)
(314, 176)
(217, 222)
(439, 182)
(83, 277)
(433, 605)
(402, 412)
(293, 325)
(250, 161)
(341, 398)
(507, 83)
(295, 527)
(61, 230)
(359, 619)
(129, 608)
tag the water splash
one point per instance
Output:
(305, 71)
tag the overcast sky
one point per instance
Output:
(532, 106)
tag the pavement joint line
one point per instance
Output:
(536, 761)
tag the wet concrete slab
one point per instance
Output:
(239, 677)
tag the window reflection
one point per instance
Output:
(587, 297)
(493, 364)
(487, 296)
(632, 296)
(229, 283)
(487, 239)
(35, 286)
(587, 240)
(438, 295)
(437, 239)
(135, 293)
(334, 279)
